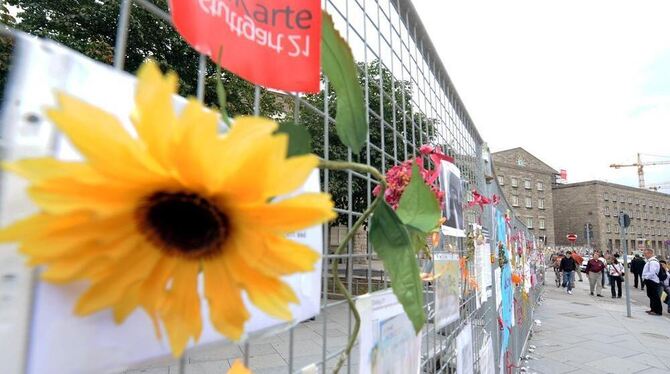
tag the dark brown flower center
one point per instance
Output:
(183, 223)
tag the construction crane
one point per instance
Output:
(640, 167)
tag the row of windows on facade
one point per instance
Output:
(527, 184)
(653, 231)
(540, 221)
(639, 215)
(529, 202)
(640, 202)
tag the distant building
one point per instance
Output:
(599, 204)
(527, 184)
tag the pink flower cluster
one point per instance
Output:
(398, 177)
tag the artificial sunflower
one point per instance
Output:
(141, 217)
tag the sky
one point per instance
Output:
(579, 84)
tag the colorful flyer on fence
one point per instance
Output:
(447, 288)
(452, 209)
(60, 341)
(464, 359)
(388, 343)
(274, 43)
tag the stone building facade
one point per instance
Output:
(527, 184)
(599, 203)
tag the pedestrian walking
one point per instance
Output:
(636, 266)
(605, 261)
(616, 272)
(578, 262)
(651, 274)
(594, 270)
(568, 269)
(666, 284)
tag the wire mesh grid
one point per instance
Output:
(411, 101)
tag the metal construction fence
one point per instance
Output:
(411, 101)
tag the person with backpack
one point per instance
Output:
(594, 269)
(568, 268)
(653, 276)
(616, 272)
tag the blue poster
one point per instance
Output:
(506, 283)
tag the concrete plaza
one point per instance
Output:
(580, 333)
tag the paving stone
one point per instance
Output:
(215, 352)
(651, 360)
(267, 361)
(616, 365)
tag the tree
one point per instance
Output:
(89, 26)
(398, 117)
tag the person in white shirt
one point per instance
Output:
(615, 271)
(651, 281)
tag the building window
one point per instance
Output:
(520, 162)
(609, 227)
(515, 200)
(616, 229)
(515, 182)
(501, 180)
(613, 197)
(607, 211)
(529, 222)
(540, 186)
(526, 184)
(615, 212)
(541, 223)
(606, 196)
(540, 203)
(529, 202)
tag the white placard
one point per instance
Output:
(388, 343)
(447, 288)
(452, 209)
(59, 341)
(497, 280)
(464, 359)
(486, 359)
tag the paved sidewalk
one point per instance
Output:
(580, 333)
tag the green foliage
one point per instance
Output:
(391, 241)
(299, 142)
(398, 119)
(339, 66)
(418, 206)
(89, 26)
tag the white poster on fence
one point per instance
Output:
(498, 279)
(482, 267)
(464, 358)
(59, 341)
(452, 209)
(447, 288)
(388, 343)
(486, 359)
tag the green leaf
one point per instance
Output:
(417, 238)
(339, 66)
(418, 206)
(392, 243)
(299, 140)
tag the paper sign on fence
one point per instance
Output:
(274, 43)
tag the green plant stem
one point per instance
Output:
(221, 91)
(341, 165)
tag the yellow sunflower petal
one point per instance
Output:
(290, 175)
(41, 223)
(44, 168)
(268, 293)
(181, 312)
(108, 290)
(254, 168)
(65, 195)
(103, 141)
(127, 304)
(153, 105)
(197, 139)
(238, 368)
(227, 310)
(289, 215)
(274, 254)
(72, 268)
(241, 141)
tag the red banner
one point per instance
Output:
(273, 43)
